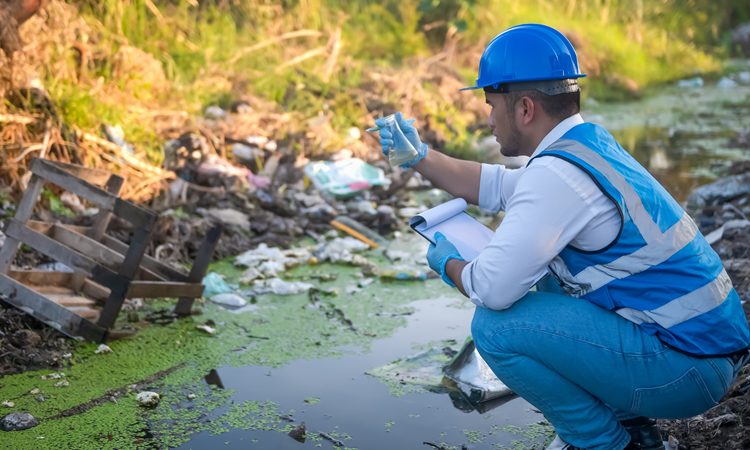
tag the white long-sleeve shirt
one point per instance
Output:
(548, 205)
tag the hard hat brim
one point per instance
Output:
(572, 77)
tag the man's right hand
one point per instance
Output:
(387, 140)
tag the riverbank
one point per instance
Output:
(721, 210)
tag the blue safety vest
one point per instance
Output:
(659, 272)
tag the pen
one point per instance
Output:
(370, 130)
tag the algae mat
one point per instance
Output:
(93, 405)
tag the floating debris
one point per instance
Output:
(229, 299)
(214, 284)
(8, 404)
(280, 287)
(103, 348)
(331, 439)
(403, 274)
(299, 433)
(148, 399)
(473, 376)
(341, 250)
(62, 383)
(207, 328)
(53, 376)
(18, 421)
(268, 262)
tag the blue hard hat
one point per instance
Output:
(528, 52)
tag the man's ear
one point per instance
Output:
(526, 110)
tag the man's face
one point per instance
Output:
(502, 123)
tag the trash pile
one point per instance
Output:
(265, 193)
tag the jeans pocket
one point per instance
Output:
(686, 396)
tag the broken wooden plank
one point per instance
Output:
(95, 290)
(136, 215)
(23, 213)
(69, 300)
(94, 176)
(75, 261)
(54, 315)
(87, 246)
(41, 277)
(85, 312)
(96, 250)
(164, 271)
(200, 265)
(50, 172)
(126, 274)
(59, 290)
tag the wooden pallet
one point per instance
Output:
(86, 302)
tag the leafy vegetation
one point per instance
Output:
(351, 60)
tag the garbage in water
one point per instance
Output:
(18, 421)
(53, 376)
(354, 233)
(365, 231)
(148, 399)
(405, 274)
(206, 328)
(473, 376)
(267, 262)
(229, 299)
(214, 284)
(280, 287)
(340, 250)
(103, 348)
(299, 433)
(344, 178)
(8, 404)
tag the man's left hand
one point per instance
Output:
(438, 255)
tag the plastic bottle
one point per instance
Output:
(406, 152)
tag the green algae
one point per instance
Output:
(280, 329)
(312, 400)
(532, 436)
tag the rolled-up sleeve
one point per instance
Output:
(543, 215)
(496, 185)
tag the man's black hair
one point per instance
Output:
(558, 106)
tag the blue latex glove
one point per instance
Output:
(438, 255)
(410, 135)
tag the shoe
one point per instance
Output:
(644, 435)
(559, 444)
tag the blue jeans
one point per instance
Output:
(585, 368)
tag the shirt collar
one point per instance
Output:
(558, 132)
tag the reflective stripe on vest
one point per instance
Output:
(681, 309)
(660, 247)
